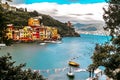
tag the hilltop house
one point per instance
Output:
(6, 6)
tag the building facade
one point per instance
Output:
(32, 32)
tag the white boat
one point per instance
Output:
(80, 70)
(42, 43)
(2, 45)
(70, 74)
(58, 42)
(90, 79)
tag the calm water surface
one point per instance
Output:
(51, 57)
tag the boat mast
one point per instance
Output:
(70, 69)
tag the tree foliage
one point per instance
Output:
(10, 72)
(2, 24)
(108, 55)
(112, 17)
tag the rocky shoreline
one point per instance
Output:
(73, 34)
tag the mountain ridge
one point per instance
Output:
(90, 28)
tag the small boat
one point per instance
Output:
(58, 42)
(42, 43)
(2, 45)
(70, 74)
(90, 79)
(71, 63)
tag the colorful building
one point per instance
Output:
(27, 33)
(16, 34)
(48, 33)
(21, 31)
(33, 32)
(54, 33)
(33, 22)
(43, 33)
(10, 31)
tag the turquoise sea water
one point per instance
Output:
(56, 56)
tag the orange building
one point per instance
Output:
(33, 22)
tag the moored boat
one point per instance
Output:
(70, 74)
(71, 63)
(42, 43)
(58, 42)
(2, 45)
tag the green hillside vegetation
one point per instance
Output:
(20, 18)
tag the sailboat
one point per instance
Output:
(70, 73)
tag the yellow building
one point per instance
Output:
(54, 33)
(27, 33)
(9, 30)
(9, 35)
(42, 32)
(21, 34)
(33, 22)
(48, 33)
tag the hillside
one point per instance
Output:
(20, 18)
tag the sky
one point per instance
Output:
(58, 1)
(65, 1)
(76, 11)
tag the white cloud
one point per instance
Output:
(72, 12)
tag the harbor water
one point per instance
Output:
(52, 59)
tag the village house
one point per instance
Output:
(6, 6)
(33, 32)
